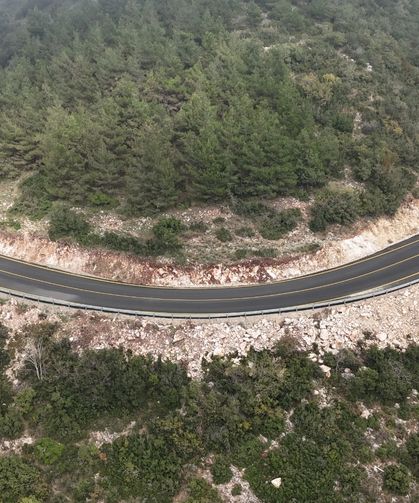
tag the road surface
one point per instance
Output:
(397, 265)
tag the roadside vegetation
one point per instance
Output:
(274, 414)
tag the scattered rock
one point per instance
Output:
(326, 370)
(277, 482)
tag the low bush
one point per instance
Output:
(66, 223)
(224, 235)
(334, 207)
(276, 226)
(19, 479)
(221, 471)
(142, 467)
(48, 451)
(245, 232)
(397, 479)
(201, 492)
(11, 424)
(251, 208)
(388, 376)
(166, 234)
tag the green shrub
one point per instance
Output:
(344, 123)
(412, 453)
(11, 424)
(251, 209)
(245, 232)
(6, 394)
(142, 467)
(221, 471)
(201, 492)
(281, 223)
(19, 479)
(83, 490)
(218, 220)
(119, 242)
(223, 235)
(397, 479)
(66, 223)
(166, 234)
(242, 253)
(388, 450)
(412, 445)
(100, 199)
(334, 207)
(34, 200)
(24, 400)
(312, 471)
(4, 355)
(13, 224)
(266, 252)
(386, 377)
(48, 451)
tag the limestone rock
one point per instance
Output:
(326, 370)
(277, 482)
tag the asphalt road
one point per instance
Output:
(394, 266)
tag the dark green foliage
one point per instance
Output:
(412, 454)
(251, 209)
(388, 377)
(397, 479)
(223, 235)
(11, 424)
(120, 242)
(19, 479)
(4, 356)
(309, 470)
(48, 451)
(65, 223)
(221, 471)
(201, 492)
(387, 451)
(338, 426)
(166, 233)
(142, 466)
(334, 207)
(412, 445)
(232, 416)
(266, 252)
(276, 226)
(251, 397)
(147, 105)
(77, 390)
(245, 232)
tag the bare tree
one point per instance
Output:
(34, 354)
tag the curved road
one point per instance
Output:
(395, 266)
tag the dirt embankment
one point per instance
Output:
(338, 246)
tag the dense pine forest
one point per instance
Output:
(145, 105)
